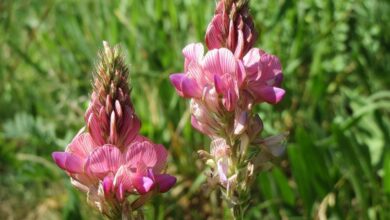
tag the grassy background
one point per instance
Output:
(336, 61)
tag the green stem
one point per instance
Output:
(237, 212)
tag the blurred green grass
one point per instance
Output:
(336, 60)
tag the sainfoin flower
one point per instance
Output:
(112, 160)
(223, 84)
(258, 75)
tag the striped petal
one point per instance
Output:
(104, 160)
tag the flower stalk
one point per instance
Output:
(223, 85)
(118, 169)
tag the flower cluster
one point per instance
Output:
(112, 160)
(223, 85)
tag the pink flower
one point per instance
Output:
(74, 158)
(218, 69)
(137, 170)
(263, 76)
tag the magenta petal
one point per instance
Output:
(278, 80)
(176, 80)
(142, 184)
(269, 94)
(60, 159)
(190, 88)
(165, 182)
(68, 162)
(108, 184)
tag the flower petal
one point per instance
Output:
(82, 145)
(268, 94)
(219, 62)
(124, 177)
(103, 160)
(230, 100)
(68, 162)
(108, 184)
(94, 129)
(251, 60)
(142, 184)
(240, 122)
(219, 85)
(147, 153)
(176, 80)
(222, 167)
(165, 182)
(193, 53)
(190, 88)
(214, 36)
(129, 127)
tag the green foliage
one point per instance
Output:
(335, 56)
